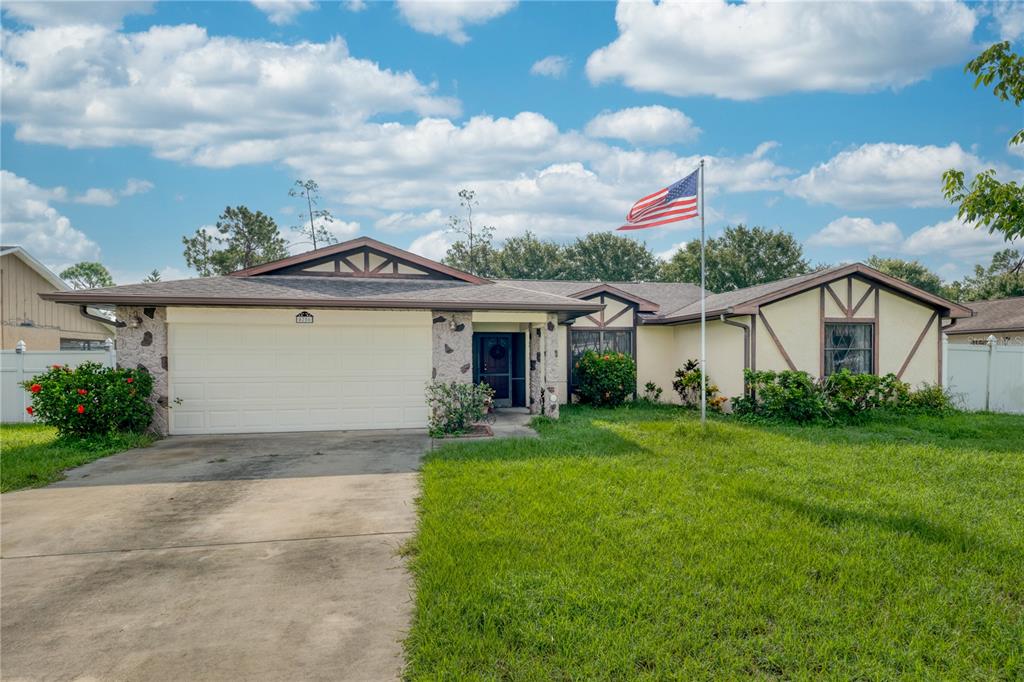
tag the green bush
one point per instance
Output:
(652, 393)
(842, 397)
(455, 406)
(687, 385)
(605, 379)
(91, 399)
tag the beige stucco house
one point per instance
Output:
(346, 337)
(43, 325)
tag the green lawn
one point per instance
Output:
(31, 455)
(628, 544)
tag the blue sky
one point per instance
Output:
(126, 126)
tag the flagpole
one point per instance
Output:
(703, 321)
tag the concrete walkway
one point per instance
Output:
(264, 557)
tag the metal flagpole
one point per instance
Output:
(703, 347)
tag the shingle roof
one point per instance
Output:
(1005, 314)
(668, 295)
(297, 290)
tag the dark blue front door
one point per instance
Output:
(493, 365)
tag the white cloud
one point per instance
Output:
(751, 50)
(644, 125)
(433, 245)
(28, 220)
(1017, 150)
(96, 196)
(74, 13)
(191, 97)
(449, 18)
(847, 231)
(1010, 19)
(553, 66)
(885, 174)
(282, 12)
(953, 238)
(671, 251)
(355, 5)
(402, 222)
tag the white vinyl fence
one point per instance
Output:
(22, 364)
(989, 377)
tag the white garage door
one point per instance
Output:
(244, 371)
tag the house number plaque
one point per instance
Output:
(304, 318)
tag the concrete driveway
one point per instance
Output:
(262, 557)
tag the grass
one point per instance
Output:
(628, 544)
(31, 455)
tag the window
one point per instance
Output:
(849, 346)
(611, 341)
(82, 344)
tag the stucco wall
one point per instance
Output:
(796, 321)
(143, 345)
(657, 359)
(900, 324)
(724, 345)
(452, 346)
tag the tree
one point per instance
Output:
(314, 233)
(1003, 278)
(999, 206)
(742, 257)
(609, 258)
(87, 275)
(247, 239)
(153, 276)
(527, 257)
(472, 252)
(911, 272)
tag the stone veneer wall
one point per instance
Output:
(453, 346)
(143, 345)
(544, 368)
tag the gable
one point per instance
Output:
(362, 257)
(617, 313)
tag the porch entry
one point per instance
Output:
(499, 360)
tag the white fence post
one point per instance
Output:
(988, 377)
(19, 350)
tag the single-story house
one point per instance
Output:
(42, 325)
(347, 336)
(1002, 318)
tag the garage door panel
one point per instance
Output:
(235, 378)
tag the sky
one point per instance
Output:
(126, 126)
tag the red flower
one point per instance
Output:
(30, 409)
(80, 409)
(129, 380)
(35, 388)
(82, 391)
(56, 366)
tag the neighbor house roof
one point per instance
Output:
(43, 271)
(1002, 315)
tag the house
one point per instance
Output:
(346, 336)
(43, 325)
(1002, 318)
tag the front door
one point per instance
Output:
(493, 360)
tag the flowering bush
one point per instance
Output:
(91, 399)
(605, 378)
(687, 385)
(456, 406)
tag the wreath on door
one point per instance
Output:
(498, 352)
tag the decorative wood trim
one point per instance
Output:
(337, 266)
(875, 345)
(383, 264)
(821, 332)
(351, 266)
(366, 260)
(917, 344)
(835, 297)
(598, 323)
(778, 344)
(394, 267)
(849, 296)
(863, 298)
(625, 309)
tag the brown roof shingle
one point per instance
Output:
(1005, 314)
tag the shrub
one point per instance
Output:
(605, 378)
(687, 385)
(91, 399)
(652, 392)
(455, 406)
(796, 397)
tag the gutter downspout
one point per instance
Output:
(83, 310)
(746, 338)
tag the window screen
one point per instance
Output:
(849, 346)
(613, 341)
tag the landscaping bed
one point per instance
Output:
(629, 543)
(31, 455)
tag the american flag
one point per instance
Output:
(669, 205)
